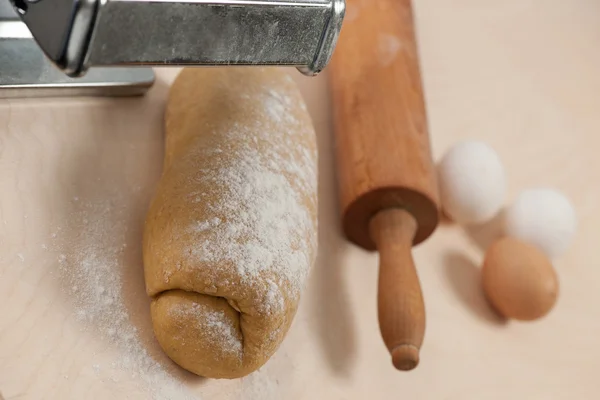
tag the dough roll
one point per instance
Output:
(231, 233)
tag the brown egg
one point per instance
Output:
(519, 280)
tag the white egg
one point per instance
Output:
(472, 182)
(544, 218)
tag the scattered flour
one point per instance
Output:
(262, 386)
(92, 268)
(204, 225)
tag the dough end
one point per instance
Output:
(200, 333)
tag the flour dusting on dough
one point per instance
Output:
(213, 325)
(261, 193)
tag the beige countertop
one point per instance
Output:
(76, 174)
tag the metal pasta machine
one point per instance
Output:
(108, 47)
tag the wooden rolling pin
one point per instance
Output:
(388, 191)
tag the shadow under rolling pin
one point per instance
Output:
(388, 190)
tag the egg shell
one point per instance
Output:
(472, 182)
(544, 218)
(519, 280)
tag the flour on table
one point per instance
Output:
(91, 267)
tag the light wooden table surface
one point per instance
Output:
(523, 75)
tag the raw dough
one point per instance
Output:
(231, 232)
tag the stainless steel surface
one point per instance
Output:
(13, 29)
(26, 72)
(62, 28)
(217, 32)
(63, 47)
(329, 40)
(78, 34)
(6, 10)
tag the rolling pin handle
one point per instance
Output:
(400, 300)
